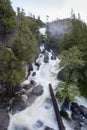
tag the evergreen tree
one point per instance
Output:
(79, 17)
(11, 69)
(74, 55)
(7, 18)
(24, 45)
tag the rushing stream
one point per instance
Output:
(40, 114)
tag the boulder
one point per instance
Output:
(53, 57)
(30, 67)
(60, 76)
(77, 117)
(23, 91)
(75, 108)
(65, 115)
(32, 82)
(27, 86)
(46, 58)
(38, 90)
(66, 104)
(37, 64)
(77, 114)
(34, 73)
(77, 126)
(4, 119)
(4, 103)
(18, 104)
(31, 98)
(83, 110)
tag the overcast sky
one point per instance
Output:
(53, 8)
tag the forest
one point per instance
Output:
(73, 53)
(30, 61)
(71, 49)
(22, 32)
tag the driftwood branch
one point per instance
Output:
(58, 116)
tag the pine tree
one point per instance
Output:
(24, 45)
(74, 55)
(11, 71)
(7, 18)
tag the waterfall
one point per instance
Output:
(37, 116)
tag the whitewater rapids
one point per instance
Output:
(28, 118)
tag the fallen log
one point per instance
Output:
(58, 116)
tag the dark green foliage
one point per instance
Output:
(74, 55)
(11, 69)
(7, 18)
(65, 90)
(23, 50)
(24, 46)
(54, 43)
(75, 37)
(82, 80)
(34, 25)
(41, 39)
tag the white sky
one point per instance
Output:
(53, 8)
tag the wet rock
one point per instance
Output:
(83, 110)
(53, 57)
(77, 127)
(38, 90)
(75, 107)
(27, 87)
(66, 104)
(36, 57)
(38, 124)
(18, 104)
(77, 117)
(48, 128)
(65, 115)
(20, 128)
(30, 67)
(37, 64)
(77, 114)
(4, 119)
(60, 76)
(31, 98)
(32, 82)
(18, 88)
(46, 58)
(23, 92)
(48, 103)
(34, 73)
(5, 103)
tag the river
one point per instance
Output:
(40, 115)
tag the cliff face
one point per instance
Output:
(60, 27)
(9, 36)
(57, 30)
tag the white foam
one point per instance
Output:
(28, 117)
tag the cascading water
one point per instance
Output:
(40, 115)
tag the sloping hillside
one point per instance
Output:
(59, 27)
(56, 31)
